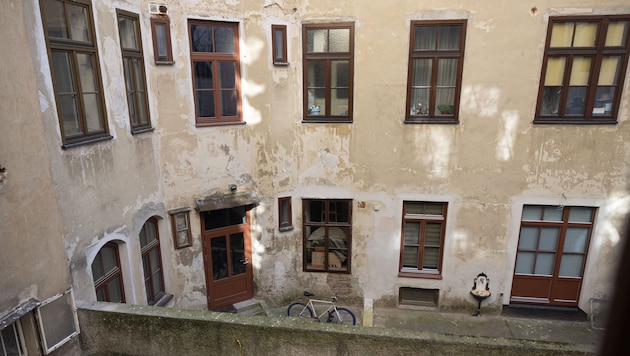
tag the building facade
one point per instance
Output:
(199, 153)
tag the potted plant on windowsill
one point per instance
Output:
(445, 109)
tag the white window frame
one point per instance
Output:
(47, 349)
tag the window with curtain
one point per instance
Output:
(583, 69)
(152, 261)
(328, 62)
(422, 240)
(133, 67)
(216, 72)
(436, 56)
(73, 55)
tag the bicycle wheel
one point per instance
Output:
(344, 316)
(299, 310)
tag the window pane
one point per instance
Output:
(128, 36)
(585, 34)
(317, 40)
(339, 211)
(555, 71)
(550, 100)
(156, 265)
(339, 40)
(57, 319)
(278, 51)
(64, 76)
(218, 245)
(447, 72)
(158, 288)
(237, 248)
(412, 233)
(617, 32)
(604, 100)
(425, 38)
(525, 262)
(580, 70)
(445, 99)
(182, 238)
(100, 295)
(316, 101)
(571, 266)
(553, 213)
(544, 263)
(609, 71)
(532, 213)
(92, 105)
(577, 214)
(549, 238)
(78, 23)
(181, 222)
(203, 75)
(160, 34)
(227, 75)
(229, 103)
(575, 100)
(430, 258)
(314, 211)
(410, 257)
(224, 39)
(576, 239)
(432, 234)
(529, 238)
(10, 344)
(97, 269)
(55, 19)
(316, 75)
(284, 212)
(562, 34)
(205, 103)
(108, 255)
(449, 37)
(419, 101)
(113, 287)
(421, 76)
(201, 38)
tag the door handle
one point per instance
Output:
(245, 261)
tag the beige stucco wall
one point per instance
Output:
(486, 167)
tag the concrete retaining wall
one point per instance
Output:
(121, 329)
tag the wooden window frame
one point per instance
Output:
(327, 58)
(74, 48)
(135, 96)
(179, 230)
(285, 220)
(214, 58)
(167, 58)
(432, 108)
(422, 219)
(597, 53)
(326, 223)
(153, 276)
(282, 59)
(108, 276)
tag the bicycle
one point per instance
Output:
(332, 313)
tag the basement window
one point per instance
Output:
(418, 296)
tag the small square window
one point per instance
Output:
(161, 32)
(279, 44)
(285, 222)
(181, 227)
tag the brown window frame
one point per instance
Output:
(423, 219)
(214, 59)
(146, 249)
(279, 58)
(429, 113)
(327, 223)
(596, 53)
(181, 233)
(73, 48)
(137, 97)
(166, 58)
(102, 283)
(327, 58)
(285, 220)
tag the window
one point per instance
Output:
(181, 227)
(583, 69)
(328, 72)
(73, 56)
(152, 261)
(422, 242)
(57, 319)
(107, 275)
(436, 62)
(327, 235)
(133, 66)
(285, 222)
(279, 44)
(161, 33)
(12, 340)
(216, 72)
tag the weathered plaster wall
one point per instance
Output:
(32, 257)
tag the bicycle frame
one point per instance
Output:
(311, 304)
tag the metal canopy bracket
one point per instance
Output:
(249, 200)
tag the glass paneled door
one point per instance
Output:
(551, 255)
(227, 256)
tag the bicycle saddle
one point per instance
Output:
(308, 294)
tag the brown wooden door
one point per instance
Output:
(227, 259)
(551, 257)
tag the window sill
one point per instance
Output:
(326, 120)
(142, 130)
(86, 141)
(420, 274)
(164, 62)
(433, 120)
(163, 300)
(574, 121)
(219, 123)
(281, 64)
(285, 228)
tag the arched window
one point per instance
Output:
(152, 261)
(108, 280)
